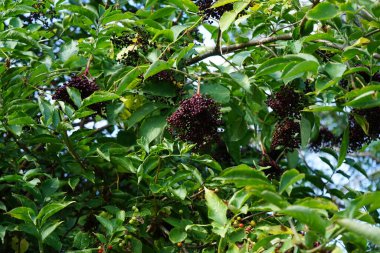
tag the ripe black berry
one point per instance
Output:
(286, 135)
(85, 86)
(196, 121)
(358, 137)
(286, 102)
(207, 12)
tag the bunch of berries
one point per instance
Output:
(325, 138)
(85, 86)
(168, 76)
(196, 121)
(286, 103)
(358, 137)
(131, 46)
(216, 13)
(286, 135)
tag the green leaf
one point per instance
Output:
(18, 35)
(226, 20)
(274, 198)
(218, 92)
(242, 80)
(136, 245)
(50, 229)
(98, 97)
(20, 118)
(156, 67)
(271, 66)
(68, 50)
(222, 2)
(75, 96)
(107, 224)
(116, 16)
(343, 147)
(318, 203)
(51, 209)
(362, 229)
(217, 209)
(307, 216)
(141, 113)
(307, 122)
(323, 11)
(2, 233)
(335, 69)
(238, 199)
(245, 176)
(83, 11)
(299, 70)
(23, 213)
(152, 127)
(82, 240)
(177, 235)
(289, 178)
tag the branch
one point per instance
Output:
(232, 48)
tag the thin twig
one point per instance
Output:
(232, 48)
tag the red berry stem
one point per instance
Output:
(86, 72)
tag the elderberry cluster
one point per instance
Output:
(286, 135)
(85, 86)
(358, 137)
(131, 46)
(196, 121)
(324, 139)
(207, 12)
(286, 103)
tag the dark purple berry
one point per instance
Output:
(286, 102)
(85, 86)
(286, 135)
(358, 137)
(207, 12)
(196, 121)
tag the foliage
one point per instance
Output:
(88, 163)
